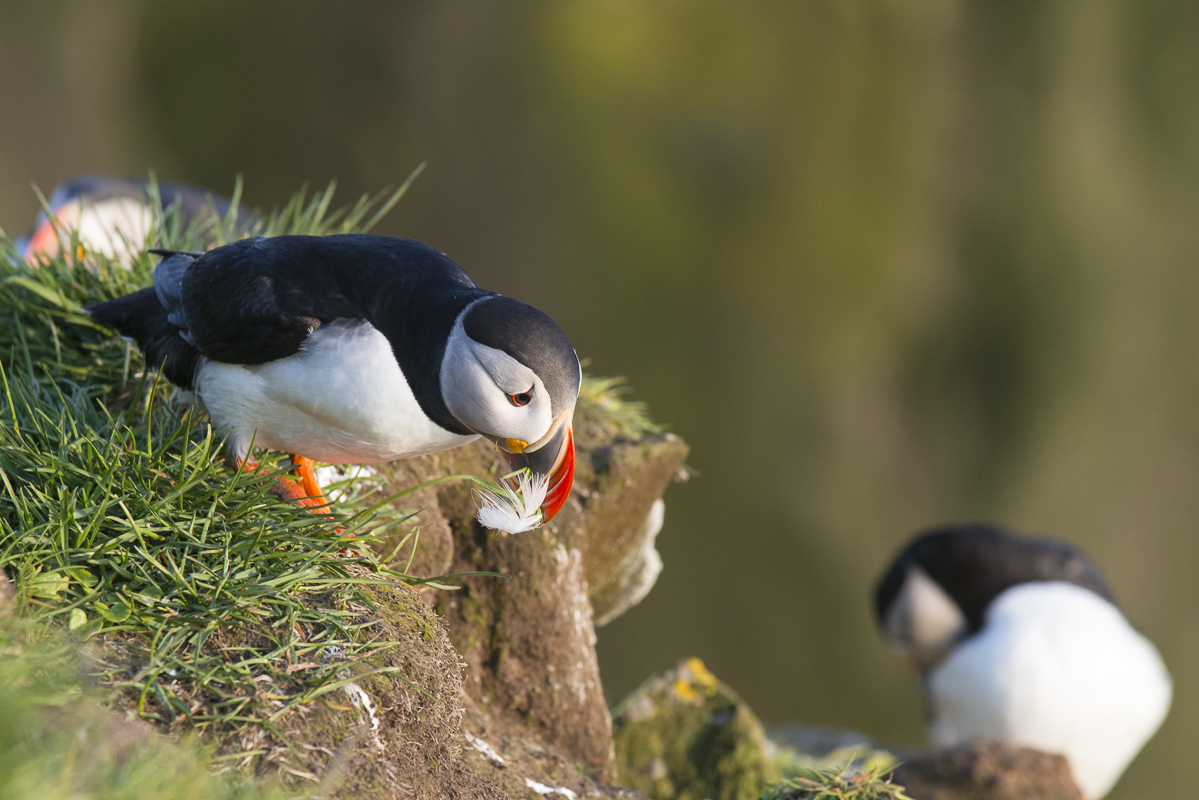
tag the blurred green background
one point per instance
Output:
(884, 265)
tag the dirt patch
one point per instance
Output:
(391, 730)
(403, 733)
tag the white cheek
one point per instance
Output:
(473, 397)
(464, 387)
(117, 228)
(923, 620)
(531, 422)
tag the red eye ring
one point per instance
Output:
(520, 399)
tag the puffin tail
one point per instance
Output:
(144, 319)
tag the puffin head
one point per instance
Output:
(921, 621)
(937, 591)
(509, 374)
(114, 216)
(110, 215)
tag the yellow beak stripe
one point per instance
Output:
(515, 445)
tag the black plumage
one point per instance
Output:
(141, 317)
(975, 563)
(257, 300)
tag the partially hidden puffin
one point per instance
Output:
(355, 349)
(1019, 640)
(113, 216)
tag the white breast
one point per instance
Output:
(340, 399)
(1056, 668)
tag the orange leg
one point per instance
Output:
(312, 495)
(306, 493)
(309, 490)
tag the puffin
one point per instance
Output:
(113, 216)
(356, 348)
(1020, 640)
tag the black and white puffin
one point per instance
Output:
(113, 216)
(1019, 640)
(357, 349)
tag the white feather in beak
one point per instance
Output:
(510, 510)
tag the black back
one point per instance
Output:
(975, 563)
(256, 301)
(533, 339)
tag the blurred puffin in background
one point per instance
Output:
(1019, 640)
(354, 349)
(114, 216)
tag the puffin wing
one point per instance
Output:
(257, 300)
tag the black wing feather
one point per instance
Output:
(256, 301)
(141, 317)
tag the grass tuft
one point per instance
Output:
(205, 600)
(602, 401)
(845, 782)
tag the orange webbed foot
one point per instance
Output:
(305, 493)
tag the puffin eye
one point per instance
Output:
(522, 399)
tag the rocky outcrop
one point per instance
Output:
(528, 639)
(684, 735)
(493, 690)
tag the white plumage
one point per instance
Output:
(1057, 668)
(341, 399)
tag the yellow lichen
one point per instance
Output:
(684, 692)
(700, 675)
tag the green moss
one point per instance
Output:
(686, 736)
(401, 615)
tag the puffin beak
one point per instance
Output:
(554, 455)
(43, 242)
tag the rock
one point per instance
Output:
(634, 574)
(684, 735)
(621, 484)
(494, 689)
(987, 770)
(529, 639)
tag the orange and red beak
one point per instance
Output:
(555, 458)
(50, 234)
(43, 242)
(562, 478)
